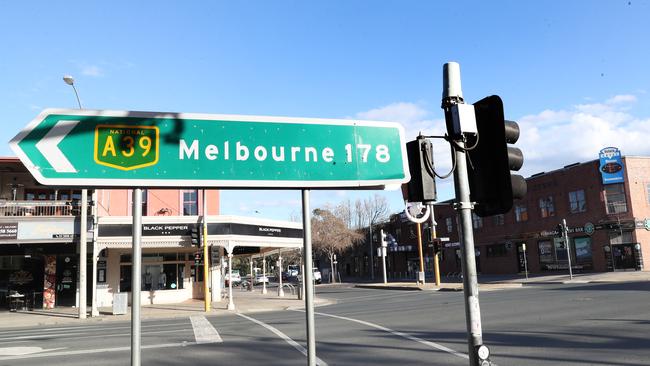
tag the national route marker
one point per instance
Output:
(95, 148)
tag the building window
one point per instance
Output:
(160, 271)
(190, 202)
(521, 213)
(647, 192)
(546, 206)
(497, 250)
(615, 198)
(545, 252)
(620, 237)
(577, 201)
(499, 220)
(477, 221)
(450, 224)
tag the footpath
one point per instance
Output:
(497, 282)
(245, 302)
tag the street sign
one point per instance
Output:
(148, 149)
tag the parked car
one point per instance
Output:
(293, 270)
(317, 276)
(261, 279)
(236, 277)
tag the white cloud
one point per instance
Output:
(552, 139)
(92, 70)
(625, 98)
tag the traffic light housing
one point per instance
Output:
(195, 236)
(492, 186)
(422, 186)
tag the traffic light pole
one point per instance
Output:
(436, 254)
(452, 95)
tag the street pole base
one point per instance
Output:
(281, 292)
(231, 306)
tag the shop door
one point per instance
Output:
(624, 256)
(66, 280)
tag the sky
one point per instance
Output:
(573, 74)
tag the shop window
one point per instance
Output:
(190, 202)
(620, 237)
(498, 220)
(497, 250)
(583, 251)
(577, 202)
(160, 271)
(546, 206)
(560, 250)
(477, 221)
(545, 252)
(521, 213)
(615, 198)
(450, 224)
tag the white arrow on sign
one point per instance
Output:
(48, 146)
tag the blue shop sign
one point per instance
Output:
(611, 165)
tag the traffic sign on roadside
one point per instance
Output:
(148, 149)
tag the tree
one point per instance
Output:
(375, 210)
(330, 235)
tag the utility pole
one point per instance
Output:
(206, 259)
(455, 110)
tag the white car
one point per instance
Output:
(236, 277)
(261, 279)
(317, 276)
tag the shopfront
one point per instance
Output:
(39, 263)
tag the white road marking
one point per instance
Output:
(204, 332)
(399, 334)
(18, 351)
(98, 350)
(49, 146)
(286, 338)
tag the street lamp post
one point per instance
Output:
(83, 231)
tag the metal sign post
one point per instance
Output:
(308, 280)
(523, 247)
(136, 272)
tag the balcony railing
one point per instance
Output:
(41, 208)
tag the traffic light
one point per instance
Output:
(384, 239)
(560, 230)
(422, 186)
(195, 236)
(490, 160)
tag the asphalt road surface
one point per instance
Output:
(576, 324)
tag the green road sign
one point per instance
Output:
(147, 149)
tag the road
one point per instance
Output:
(553, 324)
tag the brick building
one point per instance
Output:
(609, 228)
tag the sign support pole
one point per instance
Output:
(308, 280)
(83, 254)
(136, 263)
(206, 259)
(565, 230)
